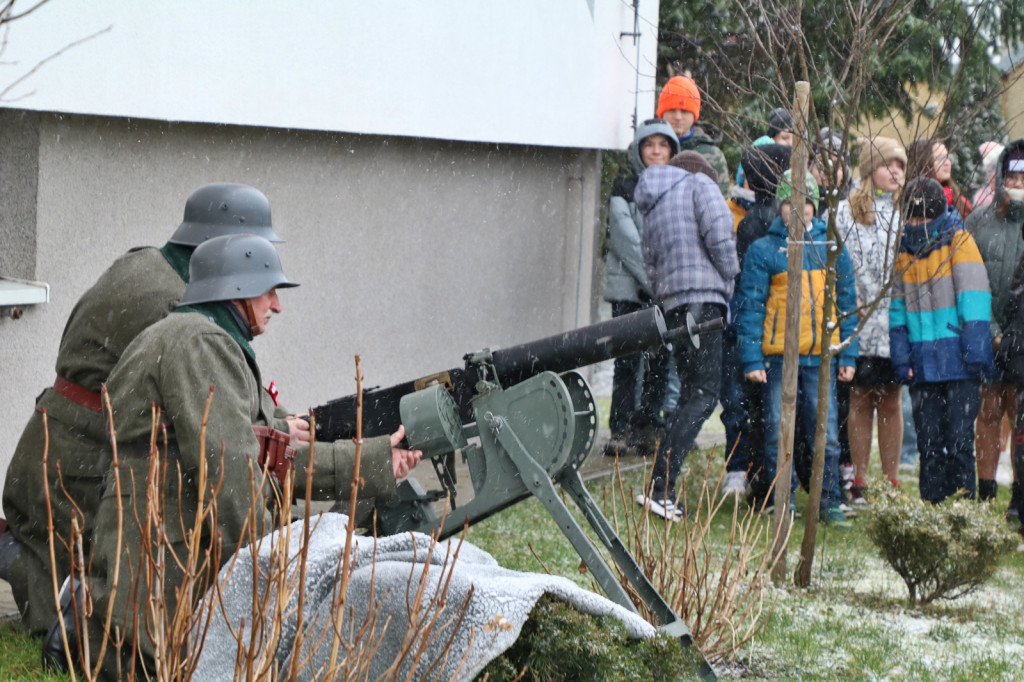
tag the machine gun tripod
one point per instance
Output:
(524, 421)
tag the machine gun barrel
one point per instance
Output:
(559, 353)
(613, 338)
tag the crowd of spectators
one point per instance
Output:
(919, 308)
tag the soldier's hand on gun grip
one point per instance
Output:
(402, 461)
(298, 429)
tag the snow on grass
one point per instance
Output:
(854, 622)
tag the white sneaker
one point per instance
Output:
(735, 483)
(666, 509)
(847, 509)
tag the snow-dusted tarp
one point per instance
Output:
(482, 613)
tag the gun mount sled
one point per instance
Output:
(523, 420)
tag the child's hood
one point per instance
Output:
(655, 183)
(818, 229)
(922, 239)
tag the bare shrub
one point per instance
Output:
(720, 589)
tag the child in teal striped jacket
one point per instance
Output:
(939, 336)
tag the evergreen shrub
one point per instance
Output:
(558, 642)
(945, 550)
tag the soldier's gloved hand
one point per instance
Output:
(298, 429)
(402, 461)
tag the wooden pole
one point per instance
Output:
(791, 340)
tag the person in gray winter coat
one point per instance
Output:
(690, 258)
(626, 286)
(996, 229)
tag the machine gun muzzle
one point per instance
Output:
(694, 329)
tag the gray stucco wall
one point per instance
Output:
(410, 252)
(19, 166)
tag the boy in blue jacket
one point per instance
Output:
(762, 318)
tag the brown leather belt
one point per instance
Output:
(78, 394)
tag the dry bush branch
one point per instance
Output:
(168, 579)
(719, 589)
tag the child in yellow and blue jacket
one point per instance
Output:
(761, 321)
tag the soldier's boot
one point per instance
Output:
(9, 550)
(72, 609)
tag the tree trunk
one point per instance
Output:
(802, 578)
(791, 347)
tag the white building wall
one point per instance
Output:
(410, 252)
(567, 73)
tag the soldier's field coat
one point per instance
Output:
(138, 289)
(172, 365)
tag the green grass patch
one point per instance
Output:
(852, 623)
(20, 656)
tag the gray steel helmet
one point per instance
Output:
(233, 266)
(224, 208)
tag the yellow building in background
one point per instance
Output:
(927, 106)
(1013, 100)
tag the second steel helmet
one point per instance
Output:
(235, 266)
(224, 208)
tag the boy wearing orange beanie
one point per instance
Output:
(679, 106)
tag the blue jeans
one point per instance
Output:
(908, 451)
(806, 417)
(671, 388)
(1018, 450)
(944, 414)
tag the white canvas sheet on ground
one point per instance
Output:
(385, 571)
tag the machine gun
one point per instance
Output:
(524, 421)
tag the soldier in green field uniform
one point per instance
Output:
(141, 287)
(230, 298)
